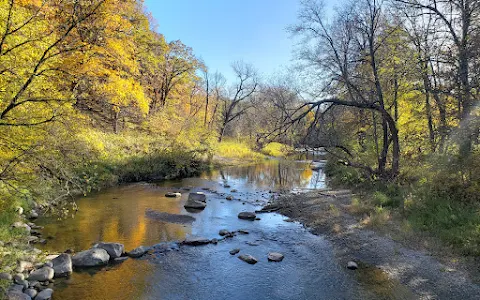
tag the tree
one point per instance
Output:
(37, 46)
(178, 65)
(347, 52)
(247, 84)
(458, 19)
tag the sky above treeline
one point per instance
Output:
(223, 31)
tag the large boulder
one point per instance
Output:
(198, 196)
(43, 274)
(91, 258)
(246, 215)
(138, 252)
(62, 265)
(115, 250)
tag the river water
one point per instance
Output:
(309, 270)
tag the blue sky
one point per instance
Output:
(223, 31)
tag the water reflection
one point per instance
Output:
(275, 175)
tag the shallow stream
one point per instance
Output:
(309, 270)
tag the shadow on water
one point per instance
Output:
(121, 214)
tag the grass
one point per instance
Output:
(277, 149)
(438, 198)
(457, 224)
(237, 151)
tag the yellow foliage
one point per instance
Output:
(236, 150)
(277, 149)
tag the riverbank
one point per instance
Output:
(384, 248)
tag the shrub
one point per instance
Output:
(237, 150)
(277, 149)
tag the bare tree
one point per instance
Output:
(247, 84)
(345, 53)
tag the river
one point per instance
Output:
(309, 270)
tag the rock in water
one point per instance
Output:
(43, 274)
(234, 251)
(62, 265)
(120, 259)
(195, 205)
(248, 259)
(167, 217)
(113, 249)
(196, 241)
(224, 232)
(198, 196)
(275, 256)
(352, 265)
(173, 195)
(245, 215)
(91, 258)
(46, 294)
(138, 252)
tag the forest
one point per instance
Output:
(91, 95)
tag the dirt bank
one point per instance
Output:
(383, 253)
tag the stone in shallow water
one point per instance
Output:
(352, 265)
(91, 258)
(195, 205)
(121, 259)
(234, 251)
(173, 195)
(198, 196)
(248, 259)
(164, 247)
(196, 241)
(245, 215)
(224, 232)
(138, 252)
(275, 256)
(113, 249)
(168, 217)
(62, 265)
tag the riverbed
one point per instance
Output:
(309, 270)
